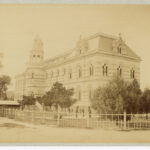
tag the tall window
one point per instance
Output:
(91, 70)
(79, 95)
(119, 49)
(80, 73)
(119, 71)
(70, 75)
(32, 75)
(105, 70)
(132, 73)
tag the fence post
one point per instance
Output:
(58, 117)
(88, 123)
(124, 120)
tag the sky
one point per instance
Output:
(60, 27)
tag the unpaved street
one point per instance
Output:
(18, 132)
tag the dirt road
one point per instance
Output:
(18, 132)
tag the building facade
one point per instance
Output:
(94, 61)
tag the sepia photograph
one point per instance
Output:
(74, 74)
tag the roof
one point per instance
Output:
(5, 102)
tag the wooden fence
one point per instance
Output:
(80, 120)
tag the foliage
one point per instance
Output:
(59, 96)
(28, 100)
(145, 101)
(117, 96)
(4, 82)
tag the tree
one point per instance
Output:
(28, 100)
(59, 96)
(117, 96)
(145, 101)
(4, 82)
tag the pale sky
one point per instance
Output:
(60, 27)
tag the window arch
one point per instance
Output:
(105, 70)
(132, 73)
(91, 70)
(119, 71)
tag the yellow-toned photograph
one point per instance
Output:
(74, 74)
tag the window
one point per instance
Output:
(79, 95)
(80, 73)
(32, 75)
(132, 73)
(33, 55)
(70, 75)
(119, 50)
(119, 71)
(80, 51)
(91, 71)
(105, 70)
(38, 56)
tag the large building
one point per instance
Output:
(94, 61)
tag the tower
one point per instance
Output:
(37, 52)
(35, 75)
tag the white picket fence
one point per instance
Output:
(80, 120)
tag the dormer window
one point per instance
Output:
(119, 50)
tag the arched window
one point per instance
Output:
(32, 75)
(91, 70)
(105, 70)
(132, 73)
(80, 73)
(119, 71)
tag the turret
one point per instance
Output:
(36, 53)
